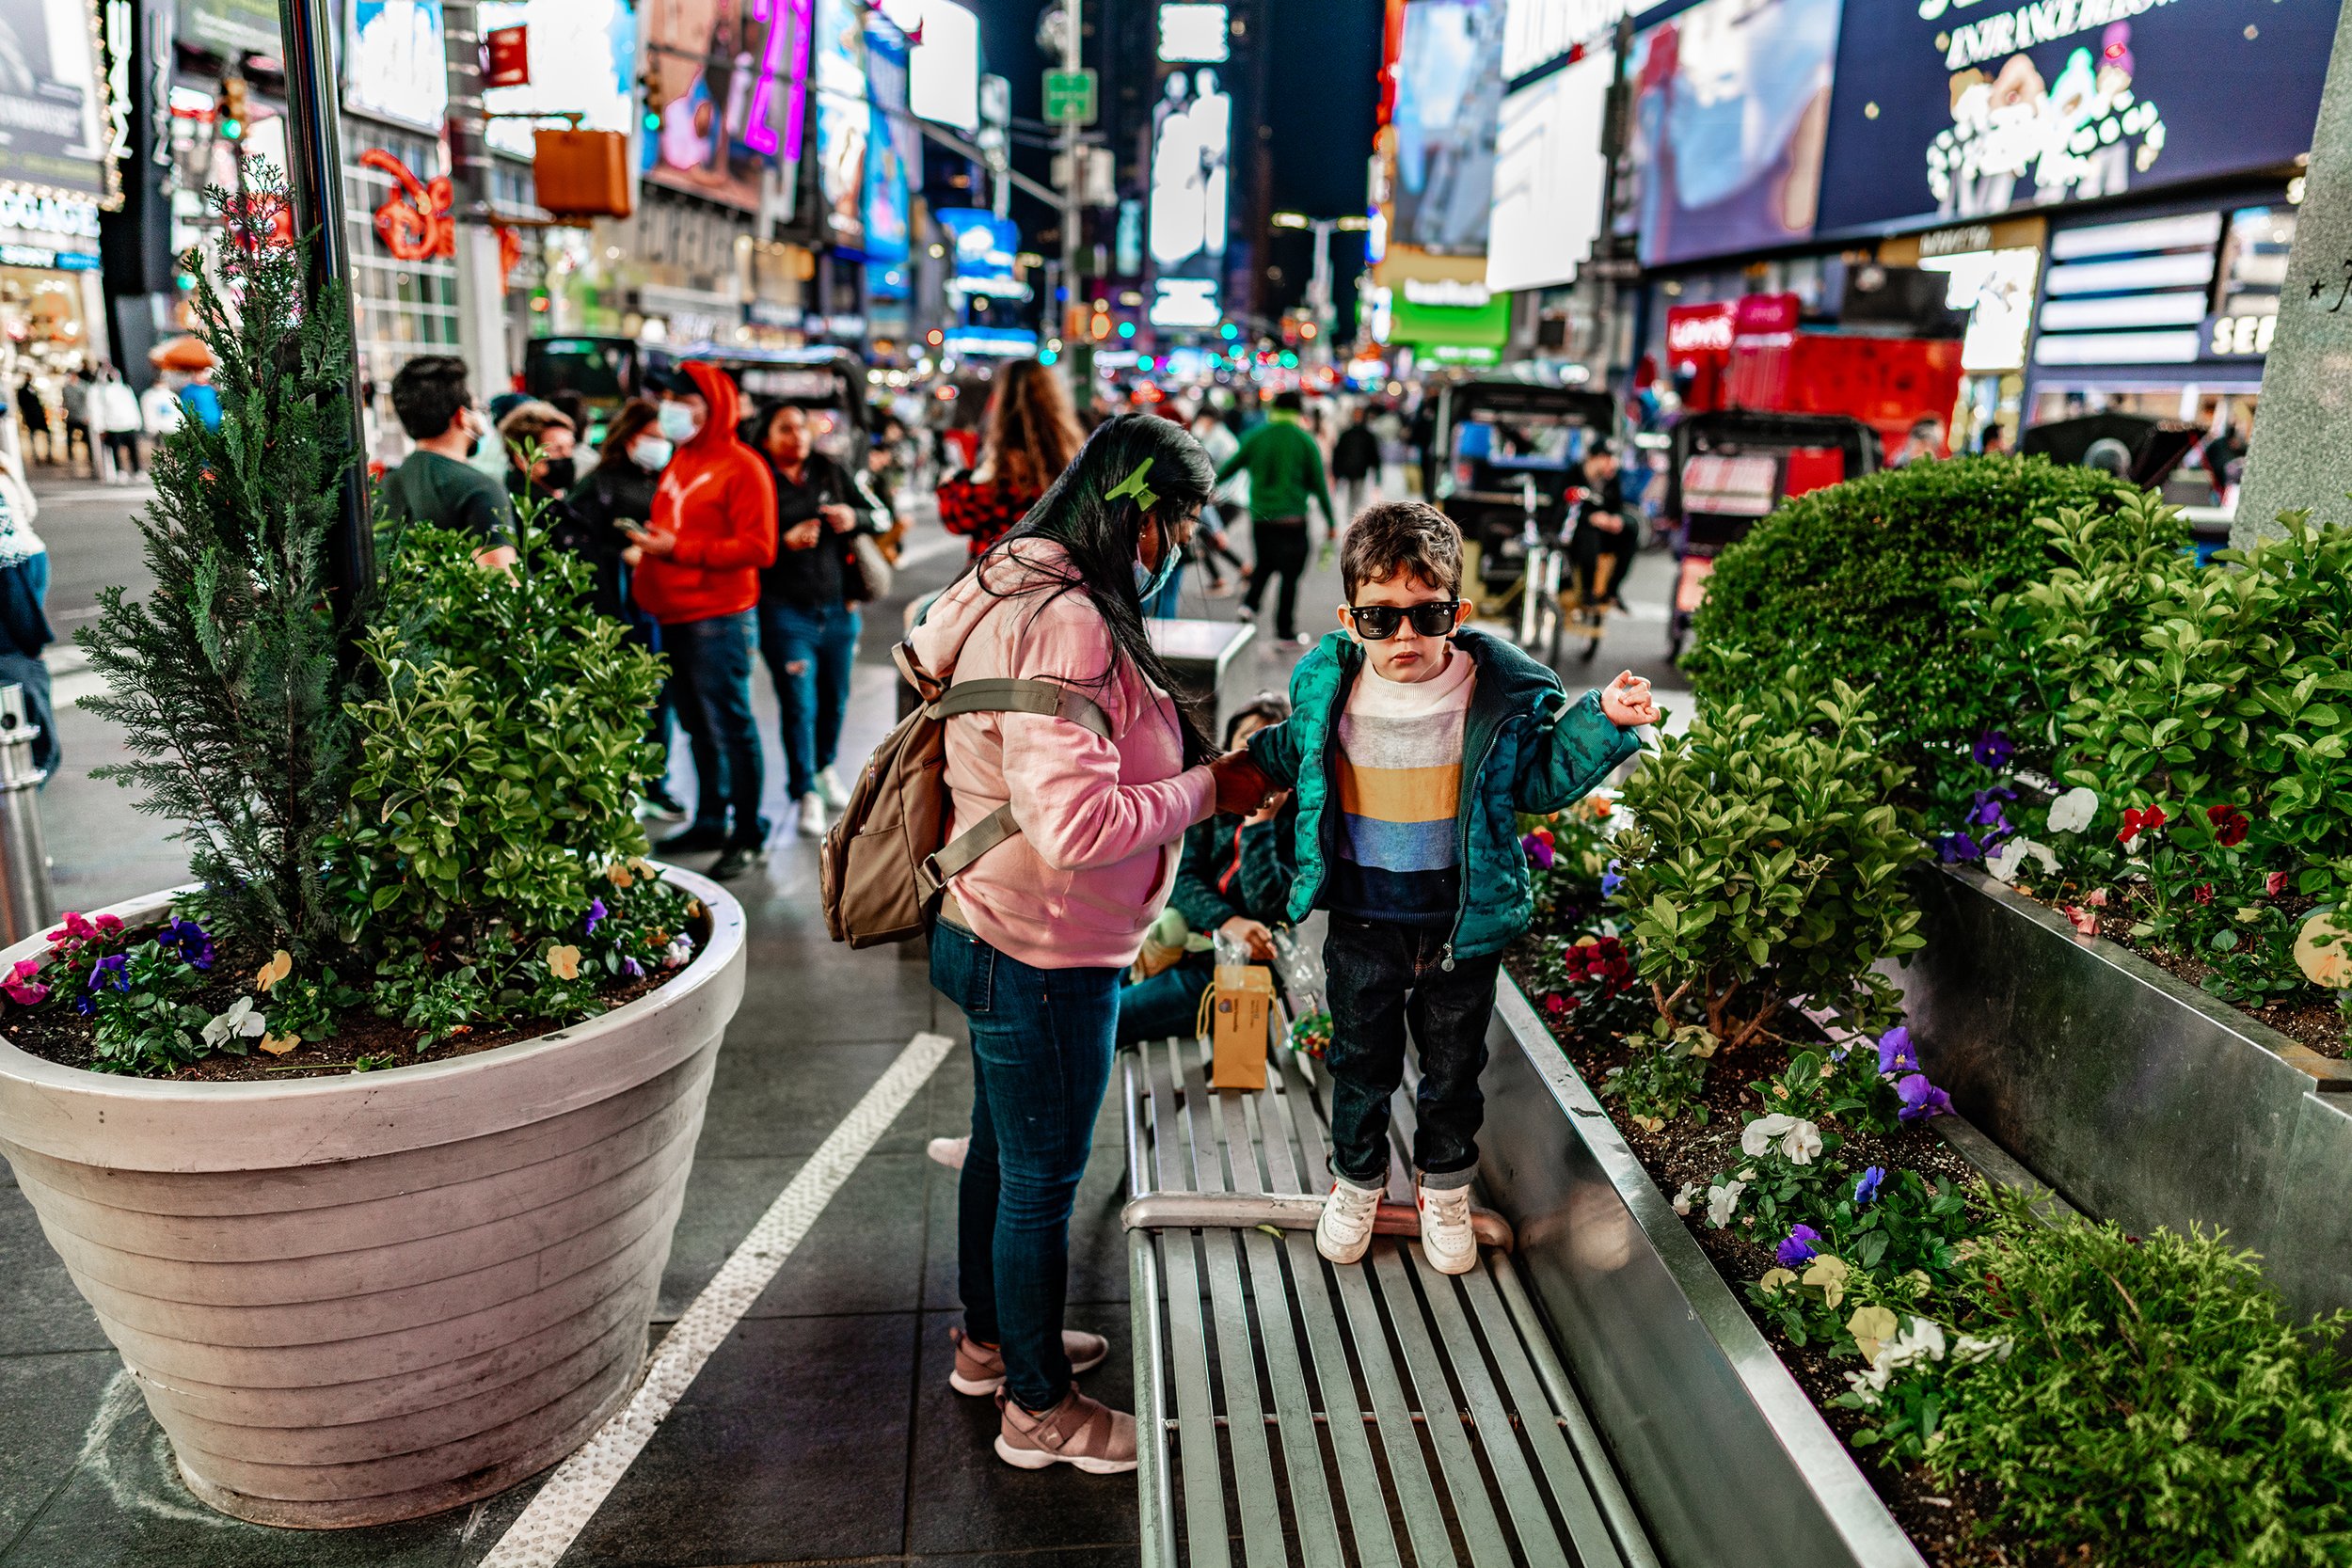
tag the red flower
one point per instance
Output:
(2140, 819)
(2082, 919)
(1555, 1004)
(2203, 893)
(2274, 884)
(2229, 825)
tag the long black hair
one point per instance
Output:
(1099, 537)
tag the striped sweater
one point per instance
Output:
(1400, 781)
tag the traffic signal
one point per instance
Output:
(229, 114)
(649, 96)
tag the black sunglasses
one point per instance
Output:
(1377, 623)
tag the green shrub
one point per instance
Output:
(1863, 582)
(489, 860)
(1766, 862)
(225, 680)
(2146, 1397)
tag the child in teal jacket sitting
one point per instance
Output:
(1411, 749)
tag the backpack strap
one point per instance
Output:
(1044, 698)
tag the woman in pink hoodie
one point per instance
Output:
(1034, 937)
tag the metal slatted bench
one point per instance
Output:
(1382, 1415)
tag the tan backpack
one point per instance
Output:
(887, 860)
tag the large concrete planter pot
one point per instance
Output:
(358, 1299)
(2136, 1096)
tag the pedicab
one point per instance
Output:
(1732, 468)
(1509, 476)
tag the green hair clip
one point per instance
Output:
(1133, 485)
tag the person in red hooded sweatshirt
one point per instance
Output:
(697, 567)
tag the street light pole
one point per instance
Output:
(314, 175)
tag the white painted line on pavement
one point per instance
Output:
(571, 1496)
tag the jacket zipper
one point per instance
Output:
(1462, 808)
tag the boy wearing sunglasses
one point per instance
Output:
(1412, 745)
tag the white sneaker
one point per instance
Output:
(812, 816)
(829, 786)
(949, 1151)
(1446, 1237)
(1343, 1234)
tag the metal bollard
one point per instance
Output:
(28, 903)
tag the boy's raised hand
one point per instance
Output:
(1628, 702)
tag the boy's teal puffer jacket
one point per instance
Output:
(1526, 747)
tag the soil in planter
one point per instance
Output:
(1949, 1526)
(363, 1043)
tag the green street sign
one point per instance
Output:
(1069, 97)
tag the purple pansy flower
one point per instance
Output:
(1538, 850)
(109, 972)
(631, 968)
(1609, 880)
(1987, 811)
(596, 911)
(1895, 1052)
(1992, 749)
(192, 942)
(1868, 1188)
(1921, 1099)
(1952, 848)
(1797, 1246)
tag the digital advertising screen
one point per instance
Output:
(1192, 144)
(583, 55)
(1448, 101)
(49, 99)
(229, 28)
(1537, 32)
(396, 62)
(894, 145)
(1963, 111)
(943, 72)
(1549, 176)
(844, 118)
(721, 71)
(984, 246)
(1731, 105)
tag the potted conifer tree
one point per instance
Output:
(366, 1147)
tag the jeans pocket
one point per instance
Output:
(963, 969)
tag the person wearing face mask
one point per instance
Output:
(695, 569)
(540, 441)
(435, 484)
(808, 627)
(617, 496)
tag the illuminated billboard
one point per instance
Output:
(1195, 34)
(1549, 176)
(844, 118)
(1192, 136)
(50, 99)
(395, 61)
(894, 145)
(1972, 110)
(944, 71)
(723, 73)
(1537, 32)
(1731, 106)
(583, 54)
(1448, 101)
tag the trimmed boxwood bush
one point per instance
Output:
(1862, 582)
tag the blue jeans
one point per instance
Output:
(1384, 977)
(1167, 1005)
(711, 686)
(1041, 1062)
(823, 642)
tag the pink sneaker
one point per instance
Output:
(1079, 1432)
(980, 1368)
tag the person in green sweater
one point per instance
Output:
(1234, 876)
(1285, 469)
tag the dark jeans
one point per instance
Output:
(1167, 1005)
(1588, 546)
(1281, 547)
(1041, 1061)
(823, 642)
(1382, 978)
(711, 686)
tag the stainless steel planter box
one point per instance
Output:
(2139, 1098)
(1724, 1453)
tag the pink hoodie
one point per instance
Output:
(1102, 821)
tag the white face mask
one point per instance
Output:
(679, 422)
(651, 453)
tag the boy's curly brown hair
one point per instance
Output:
(1402, 536)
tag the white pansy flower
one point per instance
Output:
(1800, 1143)
(676, 955)
(241, 1019)
(1723, 1201)
(1758, 1134)
(2072, 811)
(1682, 1198)
(2005, 862)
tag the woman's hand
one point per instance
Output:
(804, 535)
(1255, 939)
(1241, 784)
(653, 542)
(838, 517)
(1628, 700)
